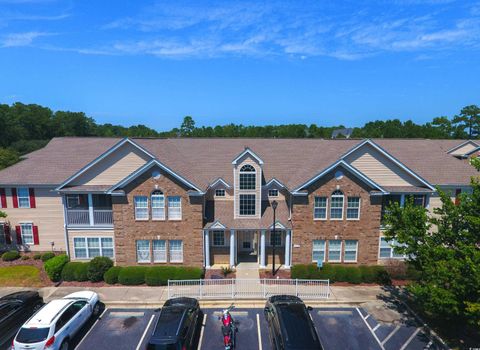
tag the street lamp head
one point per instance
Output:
(274, 205)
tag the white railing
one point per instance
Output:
(248, 288)
(81, 217)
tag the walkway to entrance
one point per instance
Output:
(247, 270)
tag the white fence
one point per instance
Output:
(248, 288)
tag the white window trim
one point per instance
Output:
(391, 252)
(213, 239)
(153, 251)
(343, 207)
(21, 232)
(169, 252)
(349, 250)
(326, 209)
(359, 206)
(179, 208)
(340, 250)
(149, 251)
(273, 196)
(135, 209)
(324, 249)
(220, 189)
(28, 196)
(85, 238)
(152, 207)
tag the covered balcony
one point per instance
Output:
(89, 210)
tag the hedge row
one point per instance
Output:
(87, 271)
(14, 255)
(341, 273)
(150, 275)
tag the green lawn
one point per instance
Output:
(21, 276)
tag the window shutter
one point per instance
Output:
(3, 198)
(36, 240)
(19, 234)
(14, 198)
(8, 236)
(31, 192)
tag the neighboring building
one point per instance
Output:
(342, 133)
(202, 202)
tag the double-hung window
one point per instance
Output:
(23, 196)
(247, 177)
(247, 204)
(318, 250)
(107, 247)
(158, 205)
(174, 208)
(335, 250)
(27, 233)
(387, 250)
(143, 251)
(80, 248)
(320, 208)
(141, 207)
(90, 247)
(159, 251)
(353, 208)
(350, 250)
(336, 206)
(176, 251)
(219, 238)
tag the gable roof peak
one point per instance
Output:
(247, 150)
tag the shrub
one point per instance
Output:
(381, 275)
(47, 256)
(368, 274)
(187, 273)
(299, 271)
(132, 275)
(37, 256)
(54, 266)
(339, 274)
(25, 257)
(81, 271)
(353, 275)
(97, 268)
(111, 276)
(159, 275)
(11, 255)
(226, 270)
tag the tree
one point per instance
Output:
(469, 119)
(8, 157)
(445, 250)
(188, 126)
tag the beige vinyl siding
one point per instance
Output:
(464, 149)
(88, 233)
(114, 167)
(280, 197)
(48, 216)
(379, 168)
(228, 194)
(247, 159)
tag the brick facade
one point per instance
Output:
(128, 230)
(365, 230)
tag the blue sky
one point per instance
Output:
(250, 62)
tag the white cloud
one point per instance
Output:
(21, 39)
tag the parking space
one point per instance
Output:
(338, 328)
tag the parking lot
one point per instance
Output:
(338, 328)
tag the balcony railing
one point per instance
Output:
(81, 217)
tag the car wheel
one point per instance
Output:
(65, 345)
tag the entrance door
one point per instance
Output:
(247, 246)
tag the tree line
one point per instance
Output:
(27, 127)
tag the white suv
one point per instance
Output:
(54, 325)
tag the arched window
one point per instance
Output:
(158, 205)
(336, 205)
(247, 177)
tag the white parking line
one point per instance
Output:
(376, 327)
(391, 334)
(373, 333)
(91, 328)
(145, 332)
(259, 333)
(201, 332)
(404, 346)
(366, 317)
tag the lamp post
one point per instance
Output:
(274, 207)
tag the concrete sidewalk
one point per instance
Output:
(121, 296)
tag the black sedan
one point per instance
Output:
(15, 309)
(290, 325)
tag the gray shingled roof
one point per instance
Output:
(202, 161)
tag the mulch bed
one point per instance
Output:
(84, 284)
(280, 274)
(214, 274)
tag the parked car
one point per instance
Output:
(290, 326)
(15, 309)
(176, 325)
(54, 325)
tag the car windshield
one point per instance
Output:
(32, 335)
(162, 347)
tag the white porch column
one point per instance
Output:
(262, 249)
(90, 209)
(232, 248)
(207, 248)
(288, 243)
(402, 200)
